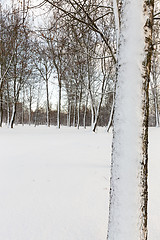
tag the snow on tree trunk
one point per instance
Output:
(110, 117)
(69, 114)
(85, 109)
(155, 98)
(8, 114)
(75, 110)
(129, 191)
(13, 115)
(116, 17)
(79, 107)
(156, 112)
(59, 104)
(23, 103)
(48, 104)
(30, 103)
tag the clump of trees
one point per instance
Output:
(74, 53)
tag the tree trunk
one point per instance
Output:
(30, 104)
(23, 107)
(111, 116)
(129, 165)
(1, 94)
(155, 99)
(85, 110)
(79, 107)
(59, 103)
(78, 116)
(13, 115)
(75, 110)
(1, 108)
(8, 114)
(36, 122)
(92, 115)
(48, 108)
(156, 113)
(97, 115)
(69, 114)
(8, 105)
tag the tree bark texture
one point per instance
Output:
(129, 164)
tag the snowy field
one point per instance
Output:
(54, 184)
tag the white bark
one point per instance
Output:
(85, 109)
(48, 103)
(23, 106)
(59, 107)
(128, 194)
(12, 116)
(116, 17)
(78, 115)
(156, 113)
(110, 117)
(92, 116)
(30, 103)
(69, 114)
(8, 115)
(154, 92)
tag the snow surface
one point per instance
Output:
(54, 184)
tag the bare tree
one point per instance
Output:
(129, 167)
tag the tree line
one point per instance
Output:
(73, 51)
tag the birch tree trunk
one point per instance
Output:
(30, 104)
(156, 111)
(13, 114)
(79, 107)
(1, 96)
(155, 99)
(69, 114)
(8, 105)
(110, 117)
(59, 102)
(23, 103)
(129, 165)
(1, 107)
(75, 110)
(85, 109)
(48, 103)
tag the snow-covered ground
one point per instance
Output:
(54, 184)
(154, 184)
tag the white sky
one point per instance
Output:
(38, 20)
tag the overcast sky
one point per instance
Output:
(38, 21)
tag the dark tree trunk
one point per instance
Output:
(59, 103)
(48, 107)
(1, 108)
(13, 115)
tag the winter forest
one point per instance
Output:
(79, 119)
(58, 66)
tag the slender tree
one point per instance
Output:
(129, 166)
